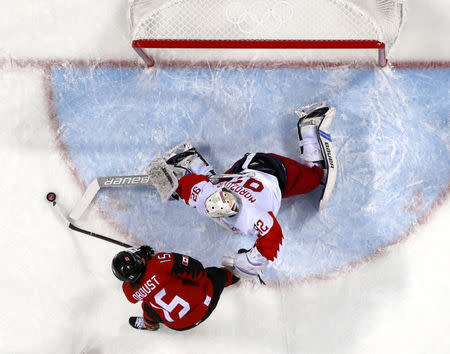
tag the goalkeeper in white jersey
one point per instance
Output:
(248, 204)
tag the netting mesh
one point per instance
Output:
(267, 19)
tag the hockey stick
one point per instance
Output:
(51, 197)
(101, 182)
(134, 181)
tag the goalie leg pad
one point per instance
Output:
(186, 159)
(178, 149)
(165, 171)
(311, 128)
(316, 143)
(306, 111)
(313, 118)
(330, 169)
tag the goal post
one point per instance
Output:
(184, 25)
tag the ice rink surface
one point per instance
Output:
(368, 274)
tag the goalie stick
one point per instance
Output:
(159, 175)
(161, 178)
(51, 197)
(102, 182)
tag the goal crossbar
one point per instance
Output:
(139, 44)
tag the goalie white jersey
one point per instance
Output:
(259, 196)
(259, 200)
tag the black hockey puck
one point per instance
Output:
(51, 197)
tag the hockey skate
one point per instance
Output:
(139, 323)
(316, 147)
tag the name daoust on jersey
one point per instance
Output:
(146, 289)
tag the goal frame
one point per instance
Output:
(141, 44)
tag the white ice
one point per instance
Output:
(58, 292)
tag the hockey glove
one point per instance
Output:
(246, 264)
(146, 252)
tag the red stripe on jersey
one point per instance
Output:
(269, 244)
(186, 183)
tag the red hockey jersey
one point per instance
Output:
(176, 287)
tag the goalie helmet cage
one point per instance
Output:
(165, 30)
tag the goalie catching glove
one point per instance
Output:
(247, 264)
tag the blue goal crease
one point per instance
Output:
(387, 141)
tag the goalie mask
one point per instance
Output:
(221, 203)
(128, 266)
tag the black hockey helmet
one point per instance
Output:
(128, 266)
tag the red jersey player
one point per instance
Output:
(248, 204)
(174, 289)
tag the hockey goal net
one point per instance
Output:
(178, 26)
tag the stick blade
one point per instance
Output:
(85, 200)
